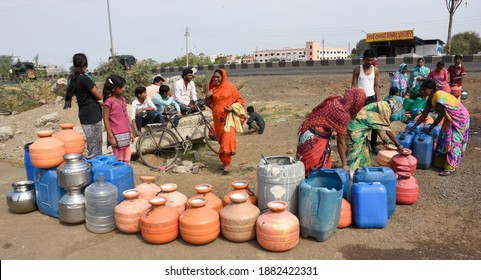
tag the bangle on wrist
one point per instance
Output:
(385, 141)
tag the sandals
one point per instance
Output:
(227, 168)
(447, 172)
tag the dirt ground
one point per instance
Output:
(443, 224)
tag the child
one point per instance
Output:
(255, 121)
(143, 110)
(116, 118)
(162, 101)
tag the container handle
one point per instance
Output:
(265, 160)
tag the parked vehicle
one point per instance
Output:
(127, 61)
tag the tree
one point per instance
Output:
(452, 6)
(465, 43)
(361, 46)
(6, 62)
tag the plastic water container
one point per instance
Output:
(434, 132)
(408, 104)
(320, 200)
(383, 175)
(101, 160)
(118, 173)
(26, 161)
(47, 190)
(100, 202)
(405, 139)
(279, 179)
(369, 205)
(423, 150)
(344, 174)
(418, 128)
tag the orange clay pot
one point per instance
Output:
(199, 224)
(241, 187)
(277, 230)
(212, 200)
(73, 140)
(346, 214)
(175, 199)
(147, 189)
(428, 120)
(47, 151)
(384, 156)
(129, 211)
(238, 219)
(159, 224)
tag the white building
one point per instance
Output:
(280, 55)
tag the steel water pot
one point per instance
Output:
(75, 173)
(21, 199)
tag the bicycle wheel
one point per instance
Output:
(210, 138)
(158, 148)
(5, 112)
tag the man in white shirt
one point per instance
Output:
(154, 87)
(185, 93)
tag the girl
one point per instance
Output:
(116, 118)
(82, 86)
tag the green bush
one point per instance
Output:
(26, 95)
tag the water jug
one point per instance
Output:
(419, 103)
(404, 159)
(434, 132)
(159, 224)
(174, 198)
(320, 200)
(278, 178)
(385, 155)
(369, 205)
(240, 187)
(27, 162)
(129, 211)
(21, 199)
(405, 139)
(212, 200)
(73, 140)
(47, 191)
(423, 150)
(383, 175)
(238, 219)
(199, 224)
(455, 90)
(408, 104)
(407, 189)
(277, 229)
(118, 173)
(418, 128)
(100, 202)
(46, 151)
(147, 189)
(346, 214)
(74, 174)
(344, 174)
(415, 112)
(101, 160)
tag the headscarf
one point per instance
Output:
(335, 112)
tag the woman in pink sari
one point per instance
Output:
(440, 76)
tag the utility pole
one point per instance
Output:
(323, 49)
(110, 31)
(187, 46)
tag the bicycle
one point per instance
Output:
(159, 146)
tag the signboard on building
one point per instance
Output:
(390, 36)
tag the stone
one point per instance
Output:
(6, 132)
(50, 118)
(60, 87)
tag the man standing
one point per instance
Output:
(184, 92)
(154, 87)
(457, 72)
(366, 76)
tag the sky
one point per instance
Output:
(57, 29)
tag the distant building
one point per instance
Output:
(402, 43)
(312, 51)
(280, 55)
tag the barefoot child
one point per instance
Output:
(116, 118)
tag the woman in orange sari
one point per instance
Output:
(227, 107)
